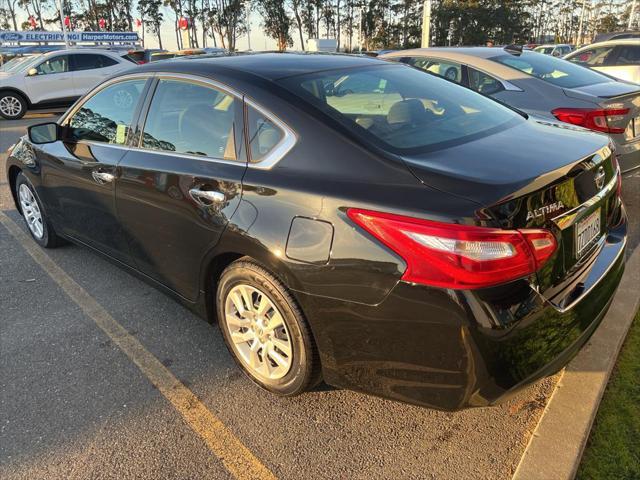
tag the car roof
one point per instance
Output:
(611, 43)
(271, 66)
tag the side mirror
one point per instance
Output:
(44, 133)
(32, 72)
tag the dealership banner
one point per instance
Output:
(58, 36)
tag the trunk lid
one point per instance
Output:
(552, 177)
(618, 96)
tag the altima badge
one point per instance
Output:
(544, 210)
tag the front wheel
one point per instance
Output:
(12, 105)
(34, 216)
(265, 330)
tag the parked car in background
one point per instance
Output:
(618, 58)
(603, 37)
(549, 88)
(554, 50)
(56, 79)
(177, 53)
(341, 218)
(143, 55)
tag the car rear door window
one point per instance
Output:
(90, 61)
(192, 118)
(264, 135)
(58, 64)
(483, 83)
(447, 69)
(628, 55)
(593, 57)
(106, 116)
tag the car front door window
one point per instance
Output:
(447, 69)
(53, 65)
(106, 117)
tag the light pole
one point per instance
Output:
(249, 26)
(64, 27)
(633, 9)
(360, 31)
(579, 39)
(426, 24)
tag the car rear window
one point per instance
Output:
(402, 109)
(552, 70)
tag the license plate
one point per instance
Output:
(587, 230)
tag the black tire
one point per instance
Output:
(49, 238)
(9, 99)
(304, 372)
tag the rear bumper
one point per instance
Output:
(456, 349)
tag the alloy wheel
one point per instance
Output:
(31, 211)
(10, 106)
(258, 333)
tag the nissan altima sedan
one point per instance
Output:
(341, 218)
(543, 86)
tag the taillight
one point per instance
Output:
(599, 120)
(458, 256)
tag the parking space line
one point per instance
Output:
(235, 456)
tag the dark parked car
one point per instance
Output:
(341, 218)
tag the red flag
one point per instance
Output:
(32, 21)
(67, 21)
(138, 22)
(183, 23)
(102, 22)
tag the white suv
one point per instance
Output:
(618, 58)
(56, 79)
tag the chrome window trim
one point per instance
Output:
(286, 143)
(283, 147)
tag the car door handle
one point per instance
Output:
(206, 197)
(103, 177)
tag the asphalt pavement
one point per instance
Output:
(80, 401)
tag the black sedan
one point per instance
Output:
(341, 218)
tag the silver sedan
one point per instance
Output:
(543, 86)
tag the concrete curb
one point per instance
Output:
(556, 446)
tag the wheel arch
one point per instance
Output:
(12, 176)
(19, 92)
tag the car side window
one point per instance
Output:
(106, 116)
(189, 117)
(593, 57)
(447, 69)
(59, 64)
(91, 61)
(483, 83)
(264, 134)
(628, 55)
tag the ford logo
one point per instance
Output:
(10, 36)
(599, 178)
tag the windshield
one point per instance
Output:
(19, 64)
(553, 70)
(402, 109)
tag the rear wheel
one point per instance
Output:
(31, 208)
(265, 330)
(12, 105)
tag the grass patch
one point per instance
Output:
(613, 450)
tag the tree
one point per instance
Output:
(227, 18)
(151, 17)
(12, 7)
(276, 22)
(296, 6)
